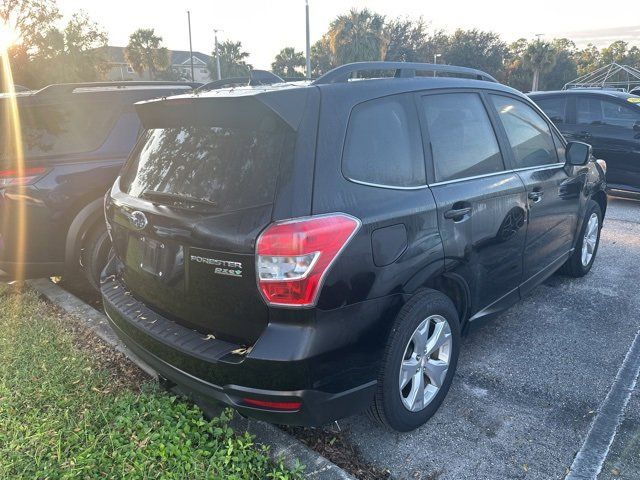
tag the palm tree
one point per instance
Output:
(288, 63)
(232, 61)
(357, 36)
(145, 53)
(539, 57)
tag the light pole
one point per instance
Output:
(435, 61)
(190, 45)
(308, 44)
(215, 39)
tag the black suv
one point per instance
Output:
(606, 119)
(304, 251)
(75, 139)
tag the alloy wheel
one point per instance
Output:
(590, 239)
(425, 363)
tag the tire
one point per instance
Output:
(95, 252)
(575, 266)
(391, 405)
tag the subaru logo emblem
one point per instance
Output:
(138, 220)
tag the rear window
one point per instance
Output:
(233, 168)
(61, 129)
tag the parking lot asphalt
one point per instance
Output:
(530, 382)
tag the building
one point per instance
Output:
(119, 69)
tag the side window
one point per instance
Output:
(63, 128)
(383, 145)
(463, 142)
(528, 133)
(554, 107)
(588, 111)
(614, 113)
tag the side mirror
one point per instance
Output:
(578, 153)
(636, 126)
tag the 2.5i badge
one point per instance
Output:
(222, 267)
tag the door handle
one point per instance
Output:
(536, 196)
(457, 214)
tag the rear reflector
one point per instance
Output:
(284, 406)
(294, 256)
(20, 177)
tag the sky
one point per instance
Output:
(266, 26)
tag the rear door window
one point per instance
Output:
(528, 133)
(383, 145)
(62, 129)
(588, 111)
(230, 168)
(554, 107)
(463, 142)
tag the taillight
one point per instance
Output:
(9, 178)
(294, 256)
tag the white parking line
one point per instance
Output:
(591, 457)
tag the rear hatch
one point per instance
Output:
(195, 194)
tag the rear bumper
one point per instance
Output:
(209, 370)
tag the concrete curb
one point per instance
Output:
(282, 446)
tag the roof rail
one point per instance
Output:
(63, 88)
(403, 70)
(256, 77)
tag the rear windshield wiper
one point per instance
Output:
(176, 198)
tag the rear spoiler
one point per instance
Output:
(245, 110)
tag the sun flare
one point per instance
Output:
(8, 37)
(11, 135)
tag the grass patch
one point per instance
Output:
(67, 412)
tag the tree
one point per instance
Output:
(321, 57)
(476, 49)
(73, 54)
(232, 61)
(289, 63)
(619, 52)
(145, 53)
(565, 68)
(514, 72)
(407, 40)
(539, 58)
(31, 20)
(588, 59)
(357, 36)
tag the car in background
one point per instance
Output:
(608, 120)
(635, 91)
(75, 139)
(305, 251)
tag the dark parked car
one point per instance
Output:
(302, 252)
(75, 139)
(606, 119)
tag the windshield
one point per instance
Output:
(228, 168)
